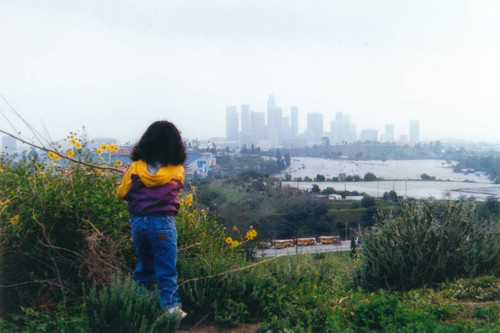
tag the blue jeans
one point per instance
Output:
(155, 242)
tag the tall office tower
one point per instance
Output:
(245, 118)
(247, 137)
(315, 127)
(231, 123)
(368, 135)
(414, 131)
(388, 135)
(273, 121)
(341, 129)
(294, 115)
(258, 125)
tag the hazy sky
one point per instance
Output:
(116, 66)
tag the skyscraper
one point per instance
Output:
(274, 119)
(388, 135)
(414, 131)
(231, 123)
(341, 129)
(245, 118)
(315, 126)
(258, 125)
(294, 116)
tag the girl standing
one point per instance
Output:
(151, 186)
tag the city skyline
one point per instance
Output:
(278, 129)
(115, 67)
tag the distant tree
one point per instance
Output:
(356, 178)
(320, 178)
(315, 189)
(287, 177)
(369, 177)
(425, 176)
(368, 201)
(325, 141)
(390, 196)
(307, 179)
(327, 191)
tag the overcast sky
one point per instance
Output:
(116, 66)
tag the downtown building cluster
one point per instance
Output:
(247, 128)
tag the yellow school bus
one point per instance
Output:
(306, 241)
(281, 243)
(329, 239)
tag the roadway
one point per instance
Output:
(295, 250)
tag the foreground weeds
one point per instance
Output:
(66, 258)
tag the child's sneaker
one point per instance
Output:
(177, 311)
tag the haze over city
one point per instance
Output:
(116, 66)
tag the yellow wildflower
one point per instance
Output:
(202, 211)
(118, 164)
(229, 240)
(72, 141)
(251, 234)
(70, 153)
(235, 243)
(193, 187)
(1, 169)
(53, 156)
(235, 228)
(112, 147)
(14, 220)
(78, 145)
(103, 147)
(92, 141)
(98, 151)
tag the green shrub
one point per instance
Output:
(124, 306)
(427, 244)
(64, 319)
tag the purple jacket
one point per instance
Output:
(148, 194)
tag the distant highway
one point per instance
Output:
(294, 250)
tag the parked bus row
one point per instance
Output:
(283, 243)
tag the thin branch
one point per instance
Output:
(50, 245)
(31, 128)
(234, 270)
(190, 246)
(28, 282)
(96, 166)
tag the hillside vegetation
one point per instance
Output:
(66, 258)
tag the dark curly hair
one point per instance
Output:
(160, 143)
